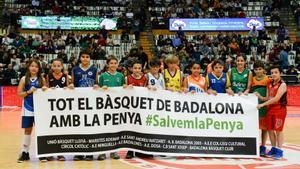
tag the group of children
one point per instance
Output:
(239, 80)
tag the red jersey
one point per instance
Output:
(272, 91)
(136, 82)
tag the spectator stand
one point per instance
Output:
(120, 9)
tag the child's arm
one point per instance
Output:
(211, 91)
(47, 81)
(261, 97)
(104, 87)
(97, 75)
(228, 75)
(126, 83)
(229, 91)
(185, 85)
(249, 83)
(126, 80)
(206, 86)
(206, 83)
(282, 89)
(67, 78)
(181, 80)
(146, 81)
(21, 92)
(164, 82)
(96, 86)
(44, 82)
(228, 86)
(71, 86)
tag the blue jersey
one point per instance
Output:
(84, 78)
(218, 84)
(28, 100)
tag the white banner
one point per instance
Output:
(86, 121)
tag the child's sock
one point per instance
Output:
(26, 143)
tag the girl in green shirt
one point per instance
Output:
(111, 78)
(240, 77)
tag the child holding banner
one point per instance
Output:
(137, 78)
(155, 79)
(259, 84)
(276, 102)
(240, 77)
(217, 81)
(84, 75)
(28, 85)
(57, 78)
(111, 78)
(195, 82)
(173, 76)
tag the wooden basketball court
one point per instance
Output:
(11, 137)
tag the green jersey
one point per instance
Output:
(239, 81)
(111, 80)
(260, 85)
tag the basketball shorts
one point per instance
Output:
(275, 120)
(27, 121)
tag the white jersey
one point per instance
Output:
(157, 83)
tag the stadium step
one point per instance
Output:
(146, 43)
(293, 36)
(288, 19)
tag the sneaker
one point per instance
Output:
(51, 158)
(129, 155)
(43, 159)
(278, 155)
(78, 158)
(23, 157)
(272, 152)
(61, 158)
(262, 150)
(89, 158)
(101, 157)
(27, 156)
(114, 155)
(142, 155)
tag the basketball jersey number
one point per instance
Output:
(63, 80)
(152, 81)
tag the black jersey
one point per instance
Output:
(58, 82)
